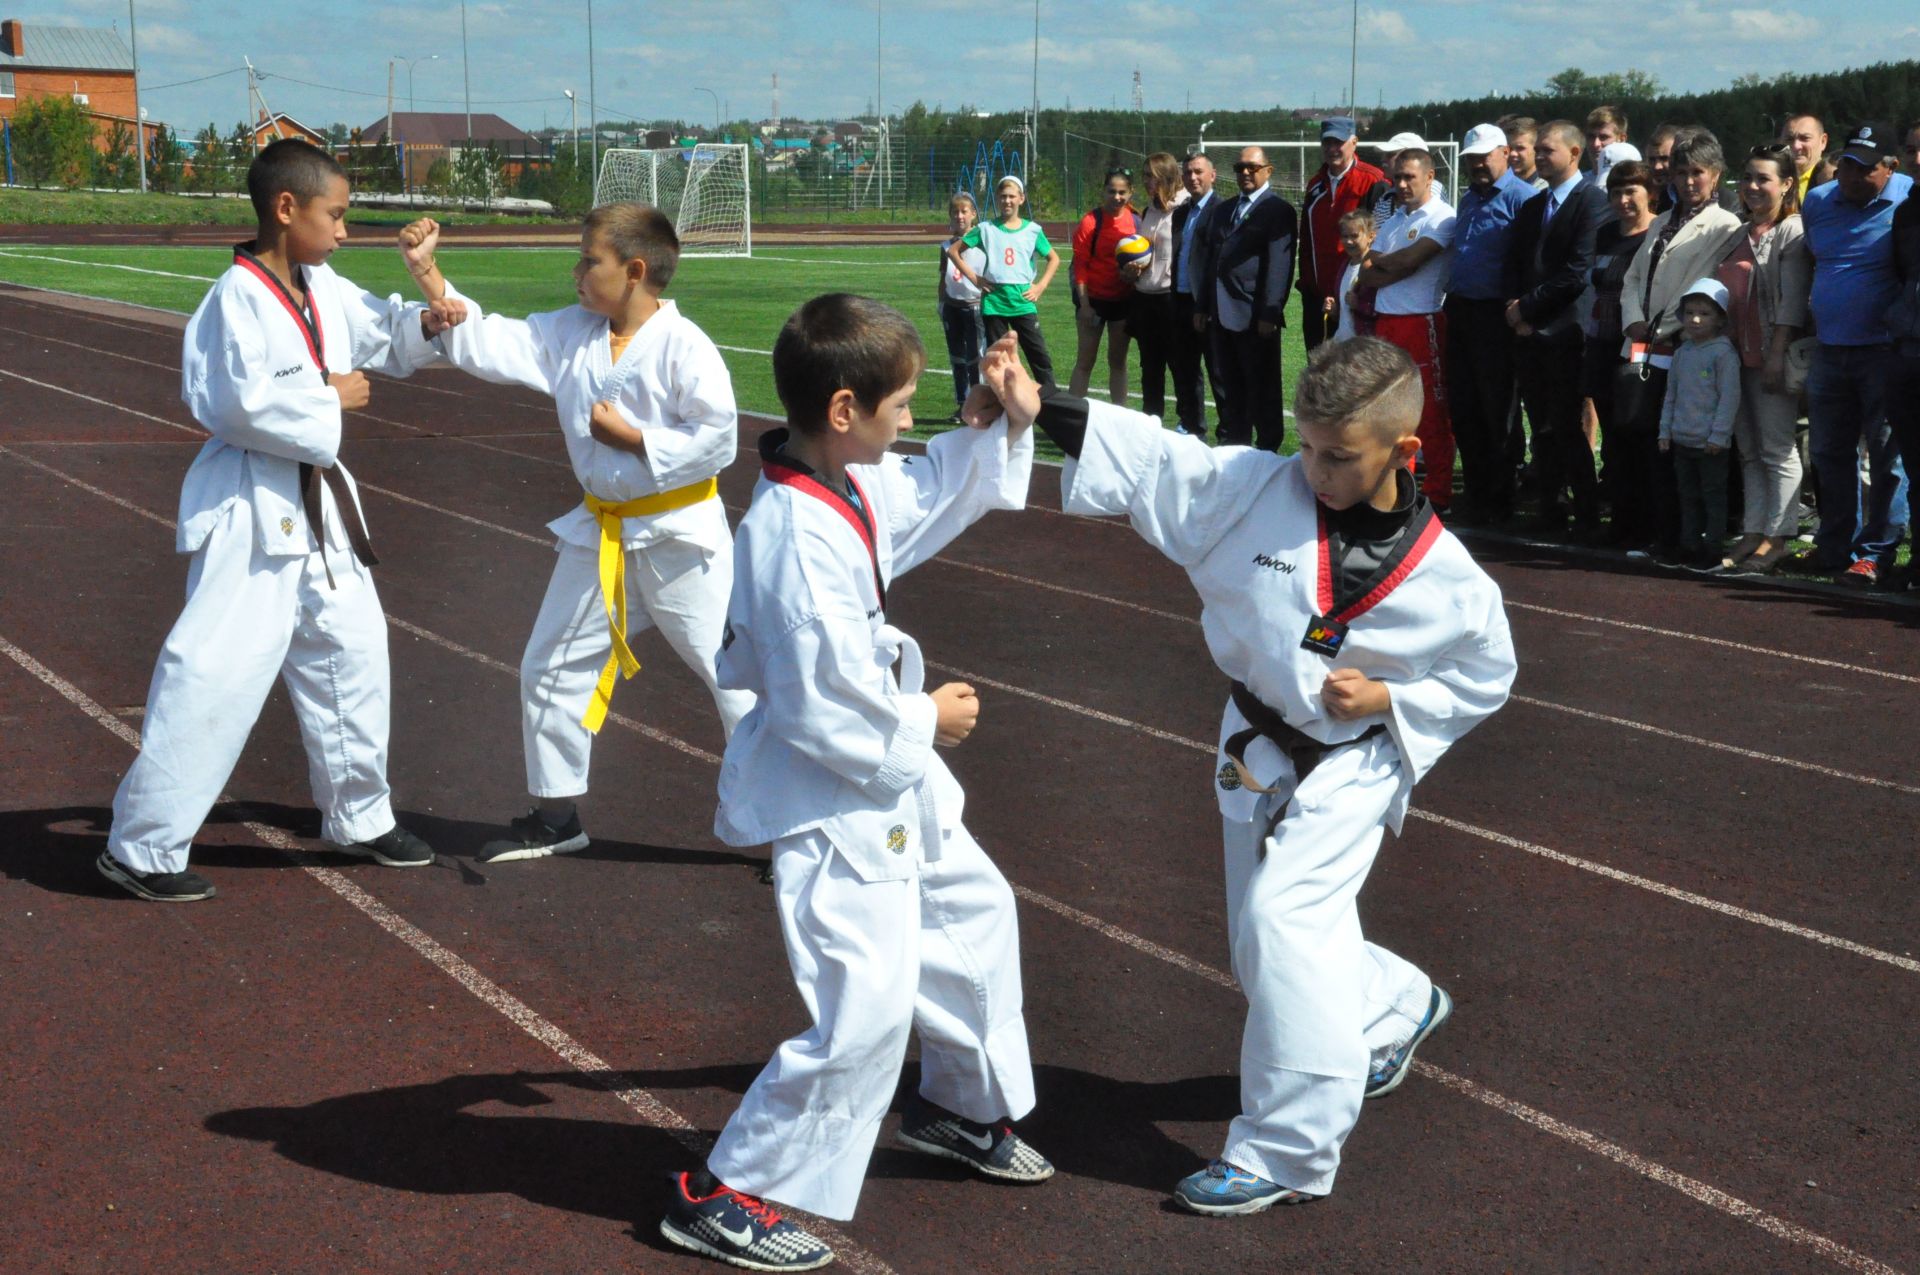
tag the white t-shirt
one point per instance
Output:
(1425, 289)
(956, 287)
(1349, 280)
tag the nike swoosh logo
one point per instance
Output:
(741, 1238)
(983, 1141)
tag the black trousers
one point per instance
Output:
(1551, 380)
(1313, 319)
(1480, 394)
(1191, 350)
(1032, 344)
(1250, 371)
(1150, 324)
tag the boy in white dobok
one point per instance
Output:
(646, 407)
(279, 583)
(1362, 641)
(895, 920)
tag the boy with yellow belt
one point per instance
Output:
(646, 407)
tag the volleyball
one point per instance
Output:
(1133, 248)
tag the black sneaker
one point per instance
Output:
(1394, 1067)
(161, 887)
(535, 838)
(738, 1229)
(394, 848)
(994, 1150)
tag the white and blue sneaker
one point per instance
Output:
(991, 1150)
(737, 1228)
(1394, 1067)
(1221, 1190)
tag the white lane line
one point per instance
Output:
(1700, 1191)
(642, 1102)
(1744, 647)
(107, 265)
(1486, 834)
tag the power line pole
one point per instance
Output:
(139, 122)
(593, 105)
(466, 78)
(1353, 64)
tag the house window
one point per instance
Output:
(6, 83)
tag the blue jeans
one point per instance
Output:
(966, 338)
(1846, 407)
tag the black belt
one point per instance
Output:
(1302, 749)
(310, 478)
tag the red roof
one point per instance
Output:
(445, 128)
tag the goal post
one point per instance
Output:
(1295, 163)
(705, 190)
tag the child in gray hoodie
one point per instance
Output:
(1696, 421)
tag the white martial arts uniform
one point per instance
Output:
(894, 918)
(259, 602)
(671, 384)
(1323, 1005)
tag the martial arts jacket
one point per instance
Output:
(670, 383)
(1246, 527)
(254, 373)
(836, 740)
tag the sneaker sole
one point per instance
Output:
(695, 1244)
(1446, 1012)
(1284, 1200)
(986, 1171)
(109, 867)
(362, 852)
(511, 853)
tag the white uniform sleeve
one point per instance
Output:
(505, 351)
(229, 386)
(1466, 685)
(827, 695)
(702, 435)
(965, 474)
(1180, 494)
(383, 335)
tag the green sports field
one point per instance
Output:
(740, 302)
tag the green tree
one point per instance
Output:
(116, 165)
(440, 179)
(478, 174)
(240, 149)
(209, 157)
(53, 141)
(163, 160)
(1635, 85)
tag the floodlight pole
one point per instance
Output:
(573, 104)
(716, 109)
(466, 76)
(139, 123)
(593, 108)
(1353, 63)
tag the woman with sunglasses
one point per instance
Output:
(1102, 292)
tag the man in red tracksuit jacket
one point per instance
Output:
(1343, 182)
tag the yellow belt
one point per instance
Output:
(613, 579)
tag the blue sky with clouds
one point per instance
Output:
(650, 59)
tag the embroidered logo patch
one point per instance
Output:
(1272, 563)
(289, 371)
(1229, 777)
(897, 838)
(286, 526)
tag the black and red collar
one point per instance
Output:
(778, 467)
(306, 318)
(1422, 529)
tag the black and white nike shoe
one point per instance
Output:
(742, 1230)
(394, 848)
(532, 837)
(993, 1150)
(160, 887)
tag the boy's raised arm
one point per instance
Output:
(490, 346)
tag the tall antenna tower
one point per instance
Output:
(1139, 94)
(776, 100)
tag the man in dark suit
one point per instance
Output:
(1548, 261)
(1191, 222)
(1243, 293)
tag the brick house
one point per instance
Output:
(428, 136)
(91, 65)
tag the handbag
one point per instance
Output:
(1639, 389)
(1800, 353)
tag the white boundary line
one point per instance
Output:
(642, 1102)
(107, 265)
(603, 1075)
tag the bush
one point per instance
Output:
(53, 141)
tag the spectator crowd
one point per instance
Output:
(1734, 338)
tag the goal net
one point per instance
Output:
(703, 188)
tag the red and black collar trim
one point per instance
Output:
(1422, 529)
(858, 511)
(307, 318)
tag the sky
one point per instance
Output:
(329, 62)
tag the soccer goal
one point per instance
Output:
(703, 188)
(1295, 163)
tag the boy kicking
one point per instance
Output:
(278, 584)
(1361, 641)
(895, 920)
(646, 408)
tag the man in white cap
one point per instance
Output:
(1388, 202)
(1480, 385)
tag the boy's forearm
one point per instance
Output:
(432, 284)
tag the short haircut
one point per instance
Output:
(1567, 131)
(1200, 157)
(289, 166)
(1517, 126)
(1418, 154)
(1631, 172)
(1356, 219)
(639, 232)
(1787, 123)
(1603, 116)
(959, 197)
(842, 342)
(1697, 147)
(1661, 133)
(1364, 380)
